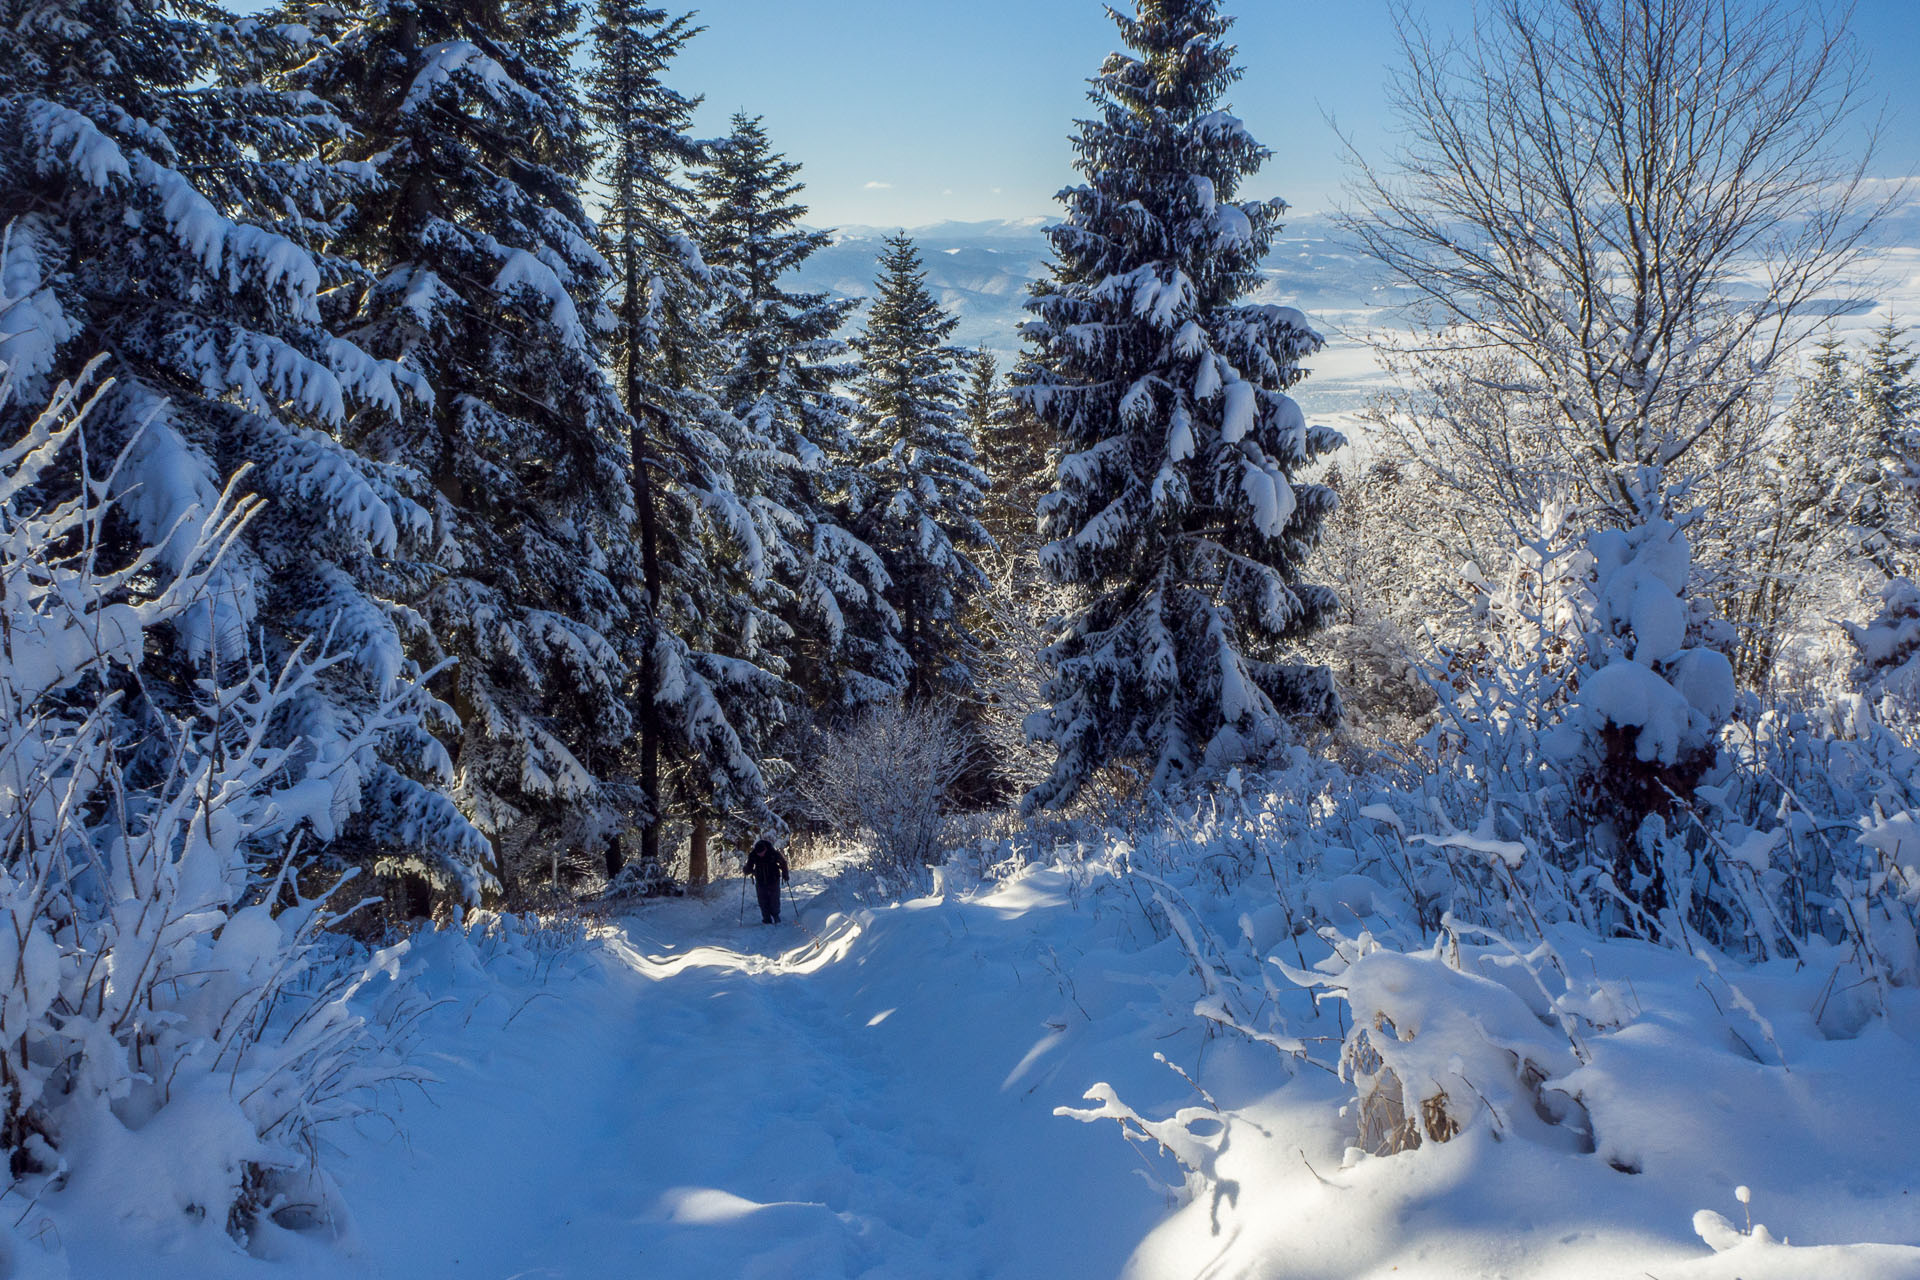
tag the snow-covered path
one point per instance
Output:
(738, 1101)
(699, 1098)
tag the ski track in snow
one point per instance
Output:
(714, 1099)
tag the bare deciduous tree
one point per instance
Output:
(1619, 214)
(887, 775)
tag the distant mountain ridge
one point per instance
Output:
(980, 272)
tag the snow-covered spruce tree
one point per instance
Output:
(1888, 400)
(1012, 442)
(1176, 505)
(917, 491)
(1887, 648)
(1812, 503)
(703, 698)
(1010, 618)
(780, 378)
(161, 202)
(485, 278)
(983, 393)
(981, 401)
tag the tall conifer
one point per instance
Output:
(983, 393)
(784, 367)
(704, 699)
(1888, 398)
(918, 491)
(1176, 504)
(165, 200)
(487, 280)
(1012, 445)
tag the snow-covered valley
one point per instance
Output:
(981, 272)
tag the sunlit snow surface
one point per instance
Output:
(874, 1094)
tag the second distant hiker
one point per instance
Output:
(768, 867)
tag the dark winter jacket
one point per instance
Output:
(765, 863)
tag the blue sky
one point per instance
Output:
(907, 112)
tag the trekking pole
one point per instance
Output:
(743, 898)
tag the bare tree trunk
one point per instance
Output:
(643, 503)
(697, 871)
(649, 712)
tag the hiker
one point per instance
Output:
(768, 867)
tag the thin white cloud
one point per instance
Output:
(879, 186)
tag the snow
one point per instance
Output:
(938, 1087)
(1206, 378)
(455, 62)
(1238, 414)
(1627, 694)
(1221, 127)
(169, 493)
(872, 1098)
(520, 269)
(217, 242)
(1180, 442)
(1658, 617)
(1149, 294)
(32, 324)
(1233, 229)
(90, 154)
(1645, 676)
(1510, 852)
(1704, 678)
(1270, 496)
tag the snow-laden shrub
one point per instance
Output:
(1499, 693)
(170, 1036)
(477, 948)
(1642, 729)
(645, 878)
(1878, 903)
(1581, 729)
(1437, 1044)
(1809, 846)
(886, 776)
